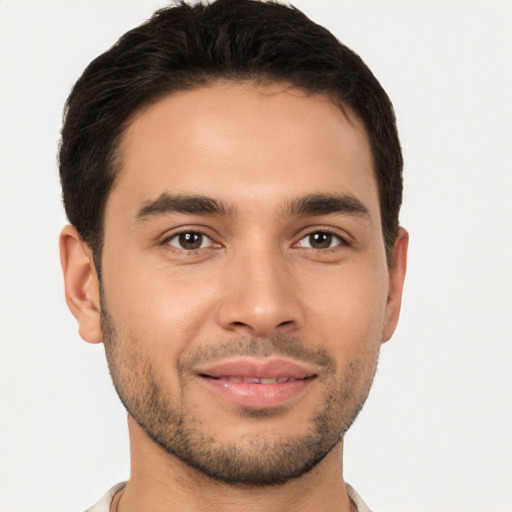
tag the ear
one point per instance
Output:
(396, 283)
(81, 284)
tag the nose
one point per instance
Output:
(260, 296)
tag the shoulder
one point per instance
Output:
(356, 499)
(104, 504)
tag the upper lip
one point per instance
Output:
(258, 369)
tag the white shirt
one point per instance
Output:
(104, 504)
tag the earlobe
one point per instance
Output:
(81, 284)
(396, 283)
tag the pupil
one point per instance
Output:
(320, 240)
(191, 240)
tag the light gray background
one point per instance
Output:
(436, 432)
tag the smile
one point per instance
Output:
(257, 380)
(256, 383)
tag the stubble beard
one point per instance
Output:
(167, 419)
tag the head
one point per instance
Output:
(232, 174)
(187, 47)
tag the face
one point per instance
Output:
(245, 286)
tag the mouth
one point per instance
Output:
(257, 380)
(258, 383)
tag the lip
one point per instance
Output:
(263, 383)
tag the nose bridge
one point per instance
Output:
(259, 297)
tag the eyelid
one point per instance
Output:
(338, 243)
(206, 241)
(164, 239)
(342, 235)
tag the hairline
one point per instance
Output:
(116, 161)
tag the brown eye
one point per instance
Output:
(320, 240)
(189, 241)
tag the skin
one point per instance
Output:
(256, 276)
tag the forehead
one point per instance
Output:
(243, 142)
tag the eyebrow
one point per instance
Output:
(325, 204)
(310, 205)
(188, 204)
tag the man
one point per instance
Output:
(232, 175)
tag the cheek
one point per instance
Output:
(161, 307)
(350, 309)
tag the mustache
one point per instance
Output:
(279, 345)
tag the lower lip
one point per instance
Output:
(258, 395)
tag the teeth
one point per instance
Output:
(269, 381)
(257, 380)
(251, 380)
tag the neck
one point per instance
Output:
(160, 482)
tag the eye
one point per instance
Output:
(320, 240)
(189, 241)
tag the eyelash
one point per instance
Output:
(166, 240)
(324, 230)
(212, 244)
